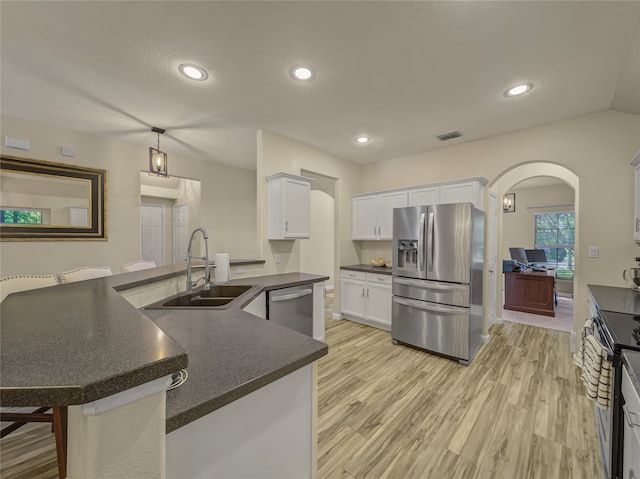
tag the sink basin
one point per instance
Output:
(219, 295)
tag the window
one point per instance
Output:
(12, 216)
(555, 233)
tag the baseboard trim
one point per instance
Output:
(498, 321)
(484, 338)
(337, 316)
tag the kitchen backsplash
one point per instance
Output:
(374, 250)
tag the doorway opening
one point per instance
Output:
(542, 215)
(318, 253)
(170, 209)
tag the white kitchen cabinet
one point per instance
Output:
(636, 198)
(428, 195)
(372, 215)
(366, 298)
(364, 218)
(289, 206)
(353, 302)
(463, 192)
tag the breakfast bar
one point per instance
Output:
(83, 345)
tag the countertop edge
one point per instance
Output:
(366, 268)
(186, 417)
(73, 394)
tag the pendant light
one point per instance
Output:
(158, 161)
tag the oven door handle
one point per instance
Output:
(627, 415)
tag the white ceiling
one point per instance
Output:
(399, 72)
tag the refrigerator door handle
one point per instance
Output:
(421, 245)
(436, 286)
(430, 246)
(436, 308)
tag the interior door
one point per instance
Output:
(180, 233)
(152, 233)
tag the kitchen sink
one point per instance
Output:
(219, 297)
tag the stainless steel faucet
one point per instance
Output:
(207, 268)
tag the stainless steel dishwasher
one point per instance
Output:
(292, 307)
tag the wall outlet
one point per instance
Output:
(241, 270)
(17, 143)
(593, 251)
(277, 259)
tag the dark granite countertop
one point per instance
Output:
(79, 342)
(631, 359)
(616, 299)
(233, 353)
(368, 268)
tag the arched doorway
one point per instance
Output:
(499, 187)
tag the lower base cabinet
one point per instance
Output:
(366, 298)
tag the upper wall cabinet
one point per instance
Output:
(289, 206)
(636, 202)
(467, 191)
(372, 215)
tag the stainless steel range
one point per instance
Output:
(617, 332)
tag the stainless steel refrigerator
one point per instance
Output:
(437, 278)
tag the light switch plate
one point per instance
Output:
(277, 259)
(594, 252)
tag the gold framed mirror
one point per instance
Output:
(46, 201)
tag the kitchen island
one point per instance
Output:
(83, 343)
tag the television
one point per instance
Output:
(536, 256)
(518, 254)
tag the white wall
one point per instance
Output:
(598, 148)
(228, 201)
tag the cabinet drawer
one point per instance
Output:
(345, 273)
(379, 278)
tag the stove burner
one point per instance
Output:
(636, 335)
(636, 318)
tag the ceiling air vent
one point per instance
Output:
(449, 136)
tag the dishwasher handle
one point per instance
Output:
(297, 294)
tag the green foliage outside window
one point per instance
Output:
(555, 233)
(21, 217)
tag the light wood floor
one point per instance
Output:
(385, 411)
(518, 411)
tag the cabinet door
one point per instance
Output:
(636, 223)
(379, 299)
(352, 298)
(424, 196)
(458, 193)
(365, 218)
(386, 203)
(297, 207)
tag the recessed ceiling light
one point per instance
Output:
(518, 89)
(301, 73)
(193, 71)
(363, 139)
